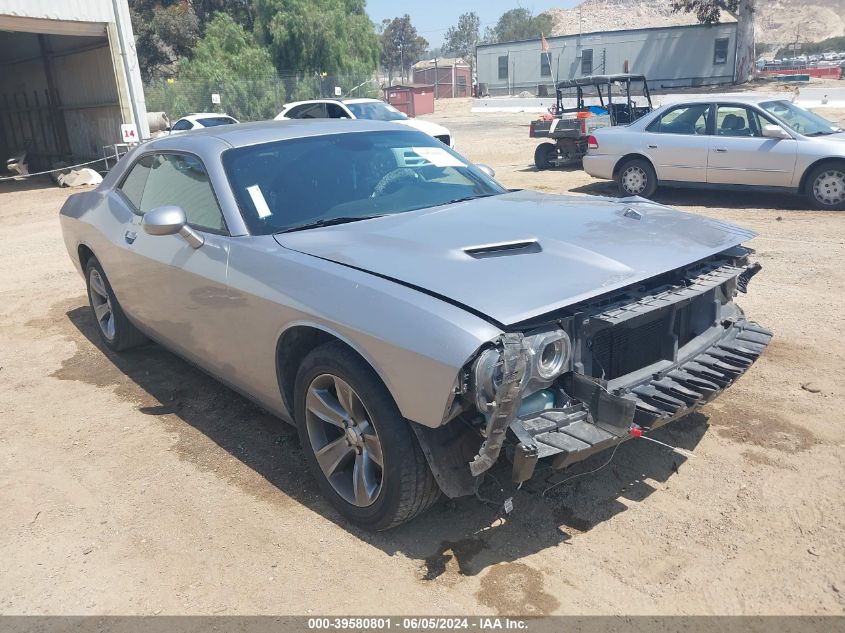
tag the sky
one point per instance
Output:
(433, 17)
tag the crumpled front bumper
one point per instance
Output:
(599, 419)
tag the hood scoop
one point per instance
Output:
(503, 249)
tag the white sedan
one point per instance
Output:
(741, 142)
(200, 120)
(370, 109)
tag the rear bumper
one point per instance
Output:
(599, 166)
(598, 419)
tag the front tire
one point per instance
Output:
(362, 452)
(116, 331)
(826, 187)
(636, 177)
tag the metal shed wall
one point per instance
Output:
(670, 56)
(96, 79)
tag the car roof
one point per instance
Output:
(728, 98)
(198, 114)
(598, 80)
(362, 100)
(244, 134)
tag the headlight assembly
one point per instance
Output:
(550, 353)
(487, 377)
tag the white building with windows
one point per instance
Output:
(672, 56)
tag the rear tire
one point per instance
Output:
(370, 466)
(636, 177)
(544, 154)
(116, 331)
(825, 187)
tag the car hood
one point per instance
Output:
(427, 127)
(519, 255)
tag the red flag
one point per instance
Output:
(543, 43)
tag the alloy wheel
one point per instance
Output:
(101, 303)
(344, 440)
(634, 180)
(829, 187)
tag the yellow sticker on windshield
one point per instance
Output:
(438, 157)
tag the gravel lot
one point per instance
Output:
(134, 484)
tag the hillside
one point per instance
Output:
(778, 21)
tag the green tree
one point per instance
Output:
(461, 40)
(240, 10)
(401, 46)
(518, 24)
(227, 61)
(710, 11)
(318, 35)
(165, 32)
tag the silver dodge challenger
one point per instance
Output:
(413, 318)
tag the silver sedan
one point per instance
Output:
(410, 315)
(741, 143)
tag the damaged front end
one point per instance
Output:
(578, 381)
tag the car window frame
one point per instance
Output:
(225, 232)
(183, 120)
(303, 106)
(709, 128)
(748, 107)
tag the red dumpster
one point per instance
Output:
(413, 99)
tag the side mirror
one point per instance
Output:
(775, 131)
(170, 220)
(486, 169)
(167, 129)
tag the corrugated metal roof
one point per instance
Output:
(74, 10)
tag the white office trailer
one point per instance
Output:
(69, 79)
(672, 56)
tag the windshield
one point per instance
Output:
(801, 120)
(215, 120)
(375, 111)
(287, 184)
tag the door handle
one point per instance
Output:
(130, 236)
(721, 149)
(652, 146)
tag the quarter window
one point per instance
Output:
(503, 67)
(587, 61)
(685, 119)
(545, 65)
(182, 124)
(307, 111)
(720, 51)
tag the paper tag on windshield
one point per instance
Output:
(258, 200)
(438, 157)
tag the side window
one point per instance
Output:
(503, 67)
(587, 61)
(720, 51)
(685, 119)
(182, 124)
(335, 111)
(739, 121)
(133, 184)
(545, 65)
(308, 111)
(181, 179)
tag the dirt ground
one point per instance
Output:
(134, 484)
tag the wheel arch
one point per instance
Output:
(297, 341)
(802, 185)
(631, 156)
(84, 253)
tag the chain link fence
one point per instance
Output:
(253, 99)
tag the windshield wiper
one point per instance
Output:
(330, 222)
(822, 133)
(466, 198)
